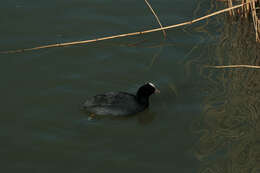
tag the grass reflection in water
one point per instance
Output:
(229, 129)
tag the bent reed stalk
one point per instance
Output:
(127, 34)
(156, 17)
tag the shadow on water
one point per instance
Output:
(229, 127)
(143, 118)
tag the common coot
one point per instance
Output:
(120, 103)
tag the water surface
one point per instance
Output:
(42, 127)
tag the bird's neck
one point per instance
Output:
(143, 100)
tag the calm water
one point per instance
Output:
(42, 127)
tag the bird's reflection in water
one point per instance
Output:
(143, 118)
(146, 117)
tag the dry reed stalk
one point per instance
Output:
(244, 9)
(259, 25)
(230, 4)
(235, 66)
(124, 35)
(247, 5)
(250, 8)
(157, 18)
(255, 19)
(247, 8)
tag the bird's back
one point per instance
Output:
(113, 103)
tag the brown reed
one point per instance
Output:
(255, 19)
(235, 66)
(248, 9)
(230, 4)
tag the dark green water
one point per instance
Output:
(42, 127)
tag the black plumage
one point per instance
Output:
(120, 103)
